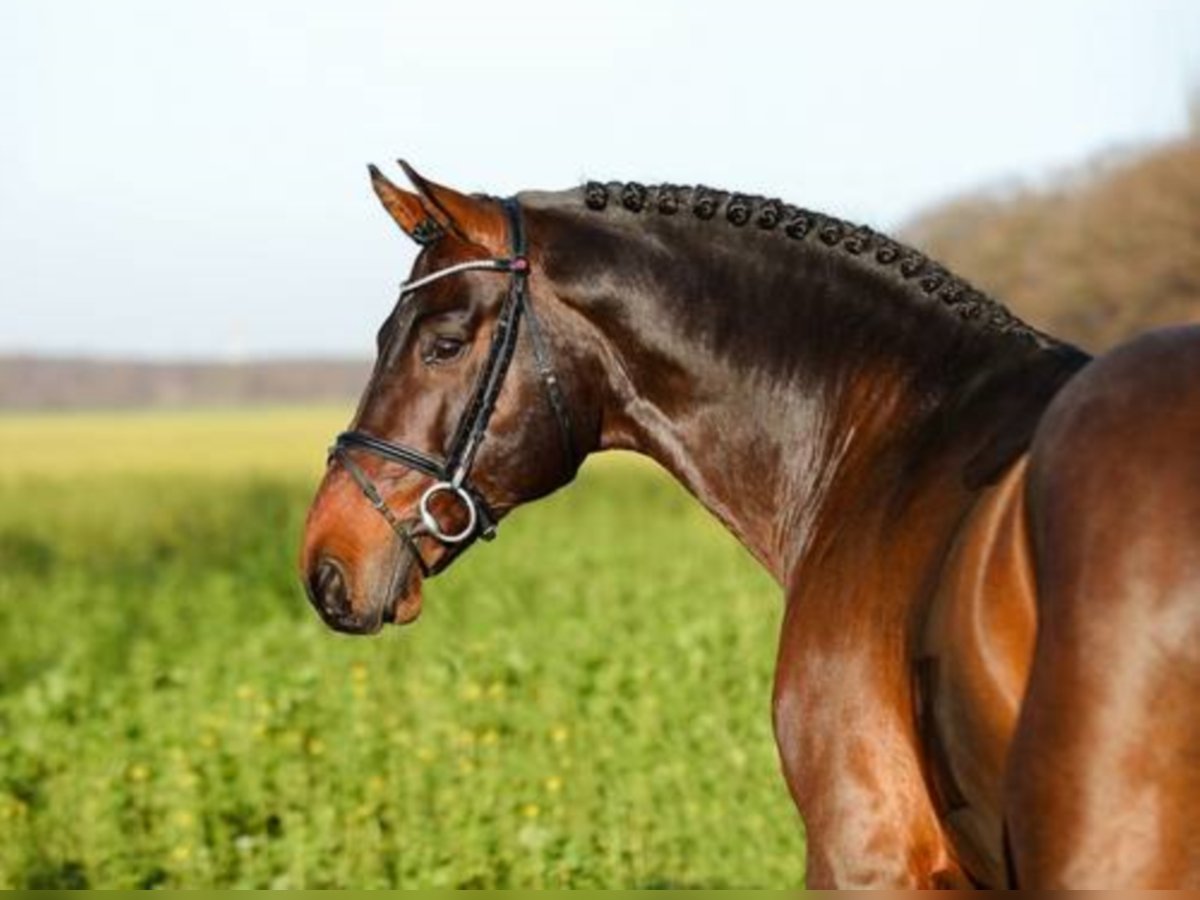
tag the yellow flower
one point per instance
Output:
(15, 810)
(138, 773)
(471, 691)
(316, 747)
(531, 810)
(359, 672)
(491, 736)
(181, 853)
(560, 734)
(554, 784)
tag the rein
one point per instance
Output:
(452, 472)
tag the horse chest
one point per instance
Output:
(971, 669)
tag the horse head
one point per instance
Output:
(464, 418)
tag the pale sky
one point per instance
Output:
(189, 178)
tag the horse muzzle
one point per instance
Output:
(365, 608)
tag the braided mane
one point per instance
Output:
(912, 269)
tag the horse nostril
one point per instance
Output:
(327, 587)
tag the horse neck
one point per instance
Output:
(777, 388)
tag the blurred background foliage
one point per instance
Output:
(1094, 255)
(584, 703)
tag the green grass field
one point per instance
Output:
(584, 703)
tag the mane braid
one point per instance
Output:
(920, 275)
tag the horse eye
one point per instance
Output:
(443, 348)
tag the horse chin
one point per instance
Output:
(405, 604)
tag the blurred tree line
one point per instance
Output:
(1096, 255)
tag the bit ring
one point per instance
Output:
(430, 520)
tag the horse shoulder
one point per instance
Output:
(970, 670)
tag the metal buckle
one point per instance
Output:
(430, 520)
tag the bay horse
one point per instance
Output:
(989, 667)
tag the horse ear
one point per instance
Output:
(479, 220)
(406, 208)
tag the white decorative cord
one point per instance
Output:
(495, 265)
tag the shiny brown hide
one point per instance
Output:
(971, 668)
(989, 665)
(1103, 781)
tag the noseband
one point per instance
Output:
(452, 473)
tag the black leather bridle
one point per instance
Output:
(452, 473)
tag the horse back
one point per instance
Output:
(1103, 782)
